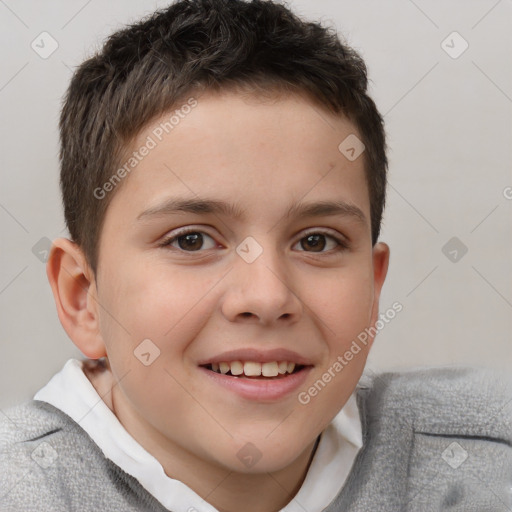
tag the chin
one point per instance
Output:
(255, 457)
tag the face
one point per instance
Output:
(242, 236)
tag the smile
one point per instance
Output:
(257, 375)
(254, 386)
(273, 369)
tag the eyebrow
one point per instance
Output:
(205, 206)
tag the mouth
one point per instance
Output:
(259, 376)
(272, 370)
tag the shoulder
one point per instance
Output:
(48, 462)
(443, 400)
(434, 438)
(35, 440)
(30, 432)
(32, 419)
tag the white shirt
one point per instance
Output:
(71, 391)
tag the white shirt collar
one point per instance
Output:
(71, 391)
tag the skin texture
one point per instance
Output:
(263, 156)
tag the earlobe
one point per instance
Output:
(74, 291)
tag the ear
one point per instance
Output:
(75, 293)
(380, 258)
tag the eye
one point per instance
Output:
(189, 241)
(318, 241)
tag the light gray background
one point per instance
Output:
(450, 137)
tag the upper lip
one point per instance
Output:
(258, 356)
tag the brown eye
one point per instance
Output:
(189, 241)
(314, 242)
(322, 243)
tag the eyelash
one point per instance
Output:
(342, 244)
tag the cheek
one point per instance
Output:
(343, 304)
(151, 302)
(166, 309)
(345, 312)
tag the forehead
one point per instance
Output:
(260, 155)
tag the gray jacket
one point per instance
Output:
(434, 439)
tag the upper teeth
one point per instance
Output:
(253, 369)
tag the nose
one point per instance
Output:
(261, 292)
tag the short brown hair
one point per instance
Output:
(145, 69)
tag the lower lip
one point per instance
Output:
(260, 390)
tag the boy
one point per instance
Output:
(225, 374)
